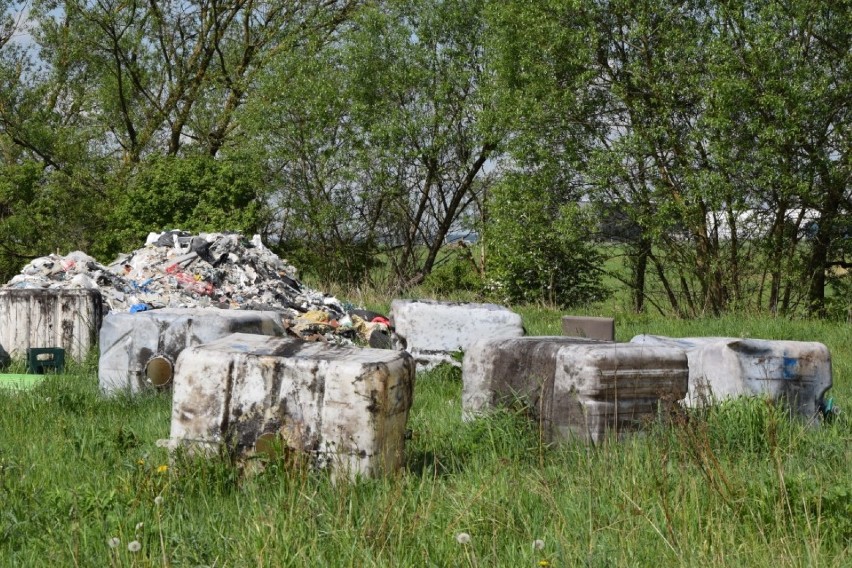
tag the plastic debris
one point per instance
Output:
(177, 269)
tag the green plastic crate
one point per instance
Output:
(41, 359)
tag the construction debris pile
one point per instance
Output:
(178, 270)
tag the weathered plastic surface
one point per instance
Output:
(346, 406)
(589, 327)
(574, 388)
(795, 372)
(31, 317)
(135, 347)
(434, 331)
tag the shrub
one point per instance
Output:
(539, 248)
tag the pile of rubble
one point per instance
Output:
(222, 270)
(176, 269)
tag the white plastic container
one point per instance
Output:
(797, 373)
(31, 317)
(346, 407)
(574, 388)
(434, 331)
(139, 350)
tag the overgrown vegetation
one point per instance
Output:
(709, 139)
(739, 484)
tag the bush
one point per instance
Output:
(456, 274)
(195, 193)
(540, 250)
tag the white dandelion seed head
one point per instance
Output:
(158, 500)
(462, 538)
(538, 544)
(139, 526)
(113, 542)
(134, 546)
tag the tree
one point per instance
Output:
(541, 246)
(422, 93)
(380, 139)
(783, 114)
(713, 127)
(102, 89)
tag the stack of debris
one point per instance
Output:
(176, 269)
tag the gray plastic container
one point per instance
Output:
(435, 331)
(797, 373)
(139, 350)
(345, 408)
(31, 317)
(573, 387)
(590, 327)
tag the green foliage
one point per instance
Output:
(455, 274)
(380, 127)
(194, 193)
(540, 249)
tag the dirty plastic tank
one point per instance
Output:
(435, 331)
(32, 317)
(340, 407)
(574, 388)
(797, 373)
(139, 350)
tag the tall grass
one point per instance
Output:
(735, 485)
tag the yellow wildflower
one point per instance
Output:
(163, 469)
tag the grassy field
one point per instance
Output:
(83, 483)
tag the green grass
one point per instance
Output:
(736, 485)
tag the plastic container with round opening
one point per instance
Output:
(159, 371)
(138, 350)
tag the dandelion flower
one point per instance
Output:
(114, 542)
(158, 500)
(538, 544)
(134, 546)
(543, 563)
(462, 538)
(162, 469)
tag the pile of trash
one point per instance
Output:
(176, 269)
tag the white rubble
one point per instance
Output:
(345, 407)
(179, 270)
(795, 372)
(434, 331)
(574, 388)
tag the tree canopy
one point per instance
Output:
(705, 141)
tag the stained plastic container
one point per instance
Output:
(589, 327)
(44, 318)
(797, 373)
(434, 331)
(572, 387)
(344, 407)
(139, 350)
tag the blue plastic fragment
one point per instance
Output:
(139, 308)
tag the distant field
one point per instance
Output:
(739, 485)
